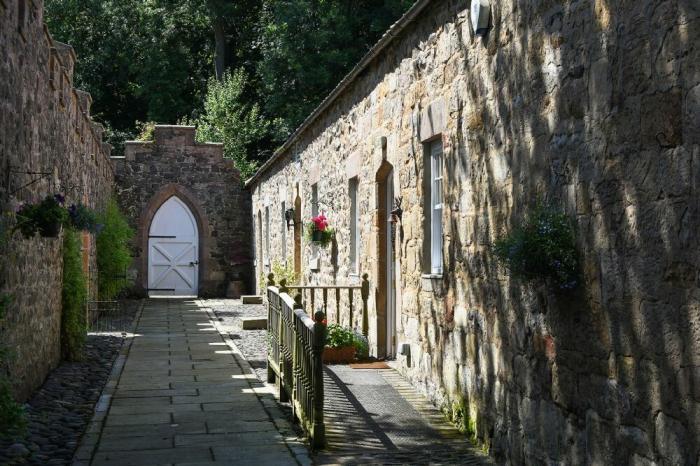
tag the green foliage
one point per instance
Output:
(12, 416)
(542, 247)
(113, 251)
(146, 130)
(46, 217)
(151, 61)
(361, 345)
(82, 218)
(321, 237)
(338, 336)
(458, 414)
(139, 60)
(229, 119)
(281, 271)
(308, 46)
(73, 327)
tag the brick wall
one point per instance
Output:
(45, 127)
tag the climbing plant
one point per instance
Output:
(73, 326)
(113, 251)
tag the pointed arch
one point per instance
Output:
(144, 225)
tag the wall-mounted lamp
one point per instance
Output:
(480, 13)
(289, 217)
(397, 211)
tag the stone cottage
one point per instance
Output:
(439, 141)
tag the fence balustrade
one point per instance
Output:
(342, 294)
(295, 358)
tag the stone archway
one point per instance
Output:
(144, 225)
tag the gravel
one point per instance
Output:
(252, 343)
(59, 412)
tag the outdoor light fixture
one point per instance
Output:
(480, 13)
(397, 211)
(289, 217)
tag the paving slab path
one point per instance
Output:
(374, 416)
(186, 397)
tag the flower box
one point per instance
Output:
(342, 355)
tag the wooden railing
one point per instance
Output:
(307, 295)
(295, 358)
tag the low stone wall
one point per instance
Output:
(592, 105)
(48, 144)
(175, 165)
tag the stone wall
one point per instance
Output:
(174, 164)
(46, 134)
(593, 105)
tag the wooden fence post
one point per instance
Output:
(365, 297)
(270, 279)
(319, 428)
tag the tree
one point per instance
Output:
(229, 119)
(309, 45)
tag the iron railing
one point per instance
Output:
(295, 359)
(107, 317)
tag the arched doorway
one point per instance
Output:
(298, 226)
(386, 263)
(173, 251)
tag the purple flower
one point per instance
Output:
(60, 198)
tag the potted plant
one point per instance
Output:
(340, 345)
(317, 230)
(46, 217)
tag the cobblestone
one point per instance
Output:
(59, 411)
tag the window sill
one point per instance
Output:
(432, 276)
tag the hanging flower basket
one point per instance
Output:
(317, 231)
(46, 218)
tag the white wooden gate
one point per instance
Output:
(173, 251)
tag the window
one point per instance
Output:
(435, 196)
(284, 233)
(267, 236)
(314, 200)
(354, 226)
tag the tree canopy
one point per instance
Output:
(273, 62)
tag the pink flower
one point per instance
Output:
(320, 222)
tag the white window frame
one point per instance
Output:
(436, 204)
(354, 187)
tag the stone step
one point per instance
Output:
(254, 323)
(251, 299)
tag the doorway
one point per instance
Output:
(173, 251)
(386, 263)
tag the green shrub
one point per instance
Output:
(543, 247)
(338, 336)
(73, 327)
(113, 251)
(146, 130)
(361, 345)
(281, 271)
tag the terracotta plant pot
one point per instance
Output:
(343, 355)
